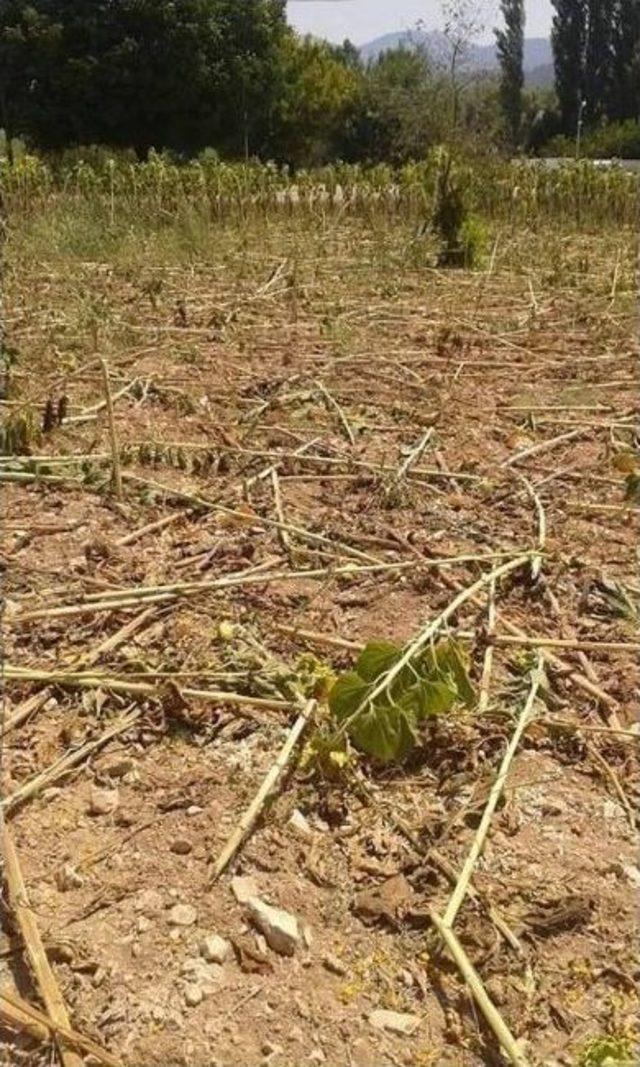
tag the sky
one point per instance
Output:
(362, 20)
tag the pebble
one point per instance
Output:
(214, 949)
(317, 1056)
(243, 889)
(208, 976)
(279, 927)
(633, 874)
(119, 768)
(300, 825)
(193, 995)
(333, 964)
(103, 801)
(183, 915)
(271, 1050)
(68, 878)
(395, 1021)
(181, 847)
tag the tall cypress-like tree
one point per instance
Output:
(569, 38)
(624, 88)
(598, 58)
(510, 45)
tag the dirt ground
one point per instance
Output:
(248, 364)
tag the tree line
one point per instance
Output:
(185, 75)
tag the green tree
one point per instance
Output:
(624, 95)
(403, 108)
(145, 73)
(28, 42)
(568, 38)
(598, 58)
(510, 45)
(320, 87)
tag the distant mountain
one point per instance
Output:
(538, 57)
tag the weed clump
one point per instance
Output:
(461, 235)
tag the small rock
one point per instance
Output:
(194, 810)
(149, 901)
(244, 889)
(278, 926)
(181, 846)
(611, 810)
(214, 949)
(394, 1021)
(633, 874)
(300, 825)
(158, 1014)
(103, 801)
(271, 1050)
(317, 1056)
(143, 924)
(183, 915)
(68, 878)
(118, 768)
(208, 976)
(333, 964)
(98, 978)
(496, 989)
(193, 995)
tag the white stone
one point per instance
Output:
(208, 976)
(68, 878)
(633, 874)
(183, 915)
(394, 1021)
(214, 949)
(103, 801)
(279, 927)
(243, 889)
(300, 825)
(193, 995)
(335, 965)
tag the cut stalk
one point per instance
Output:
(251, 815)
(20, 1015)
(25, 918)
(113, 437)
(493, 1017)
(79, 681)
(460, 891)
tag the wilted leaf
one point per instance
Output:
(347, 694)
(385, 731)
(377, 658)
(450, 661)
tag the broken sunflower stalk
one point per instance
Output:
(381, 704)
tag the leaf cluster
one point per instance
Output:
(383, 720)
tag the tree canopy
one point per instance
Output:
(231, 75)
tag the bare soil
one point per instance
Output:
(229, 366)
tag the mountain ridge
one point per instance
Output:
(538, 55)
